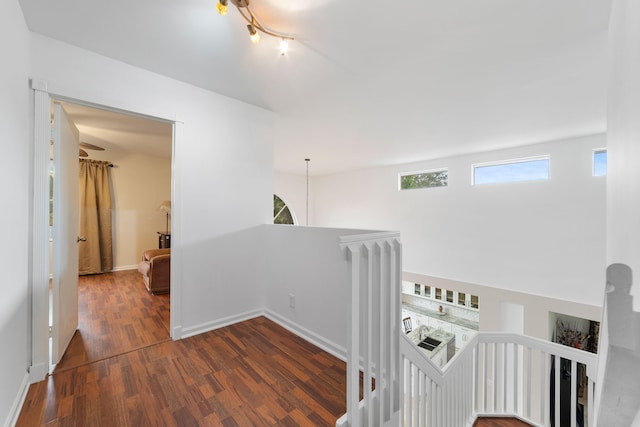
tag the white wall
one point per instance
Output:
(623, 134)
(543, 238)
(623, 192)
(222, 169)
(14, 190)
(308, 263)
(140, 183)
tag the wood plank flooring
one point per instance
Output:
(122, 370)
(116, 314)
(499, 422)
(254, 373)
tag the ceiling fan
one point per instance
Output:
(88, 146)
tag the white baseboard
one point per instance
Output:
(304, 333)
(220, 323)
(125, 267)
(315, 339)
(38, 372)
(177, 333)
(14, 413)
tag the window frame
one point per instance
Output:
(423, 172)
(475, 166)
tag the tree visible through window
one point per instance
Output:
(437, 178)
(281, 212)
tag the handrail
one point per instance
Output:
(492, 375)
(496, 373)
(580, 356)
(438, 374)
(412, 352)
(369, 237)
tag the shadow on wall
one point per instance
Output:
(620, 403)
(623, 322)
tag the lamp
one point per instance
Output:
(166, 208)
(254, 23)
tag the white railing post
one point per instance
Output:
(492, 375)
(374, 328)
(353, 343)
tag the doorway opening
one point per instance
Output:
(138, 152)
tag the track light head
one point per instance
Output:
(284, 47)
(255, 26)
(222, 7)
(253, 34)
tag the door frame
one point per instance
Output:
(39, 251)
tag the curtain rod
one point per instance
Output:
(109, 164)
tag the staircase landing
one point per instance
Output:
(499, 422)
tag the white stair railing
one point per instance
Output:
(374, 329)
(494, 374)
(434, 396)
(497, 374)
(517, 375)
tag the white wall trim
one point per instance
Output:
(125, 268)
(175, 316)
(14, 412)
(44, 91)
(300, 331)
(176, 333)
(39, 250)
(304, 333)
(38, 372)
(220, 323)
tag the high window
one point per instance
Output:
(424, 179)
(282, 214)
(530, 169)
(600, 162)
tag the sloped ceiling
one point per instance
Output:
(369, 83)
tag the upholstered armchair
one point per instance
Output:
(155, 268)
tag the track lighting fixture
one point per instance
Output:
(253, 34)
(222, 7)
(255, 27)
(284, 47)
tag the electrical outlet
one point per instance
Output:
(292, 301)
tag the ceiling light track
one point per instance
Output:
(254, 23)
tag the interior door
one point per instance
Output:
(65, 233)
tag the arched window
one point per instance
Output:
(282, 214)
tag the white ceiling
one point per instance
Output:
(121, 133)
(370, 82)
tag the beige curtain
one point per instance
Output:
(96, 252)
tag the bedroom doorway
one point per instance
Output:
(129, 160)
(116, 221)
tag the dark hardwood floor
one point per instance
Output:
(123, 370)
(499, 422)
(116, 314)
(254, 373)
